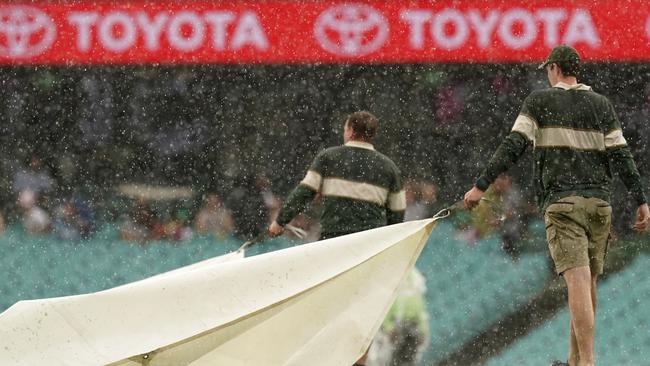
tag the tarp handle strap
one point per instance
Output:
(298, 232)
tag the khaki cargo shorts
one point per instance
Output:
(577, 231)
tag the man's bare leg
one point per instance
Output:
(573, 343)
(581, 306)
(574, 357)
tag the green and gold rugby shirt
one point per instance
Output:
(577, 141)
(361, 189)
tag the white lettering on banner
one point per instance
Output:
(186, 31)
(461, 29)
(417, 19)
(83, 20)
(529, 28)
(484, 26)
(219, 20)
(176, 37)
(121, 41)
(581, 29)
(517, 28)
(551, 18)
(249, 31)
(151, 28)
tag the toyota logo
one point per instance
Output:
(25, 31)
(351, 29)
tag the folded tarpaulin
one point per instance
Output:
(314, 304)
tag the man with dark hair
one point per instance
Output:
(577, 141)
(363, 124)
(570, 64)
(361, 188)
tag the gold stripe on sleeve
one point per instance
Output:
(526, 126)
(397, 201)
(615, 138)
(312, 180)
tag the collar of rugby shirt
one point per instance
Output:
(566, 86)
(360, 144)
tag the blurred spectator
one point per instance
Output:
(487, 216)
(502, 87)
(404, 334)
(3, 225)
(74, 219)
(250, 213)
(271, 201)
(503, 210)
(213, 218)
(449, 105)
(35, 220)
(420, 198)
(34, 177)
(637, 130)
(412, 211)
(178, 229)
(515, 216)
(141, 224)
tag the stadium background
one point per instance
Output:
(213, 127)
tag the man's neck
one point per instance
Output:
(569, 80)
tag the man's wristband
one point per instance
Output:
(281, 222)
(482, 183)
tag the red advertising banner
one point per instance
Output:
(273, 32)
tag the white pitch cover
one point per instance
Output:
(314, 304)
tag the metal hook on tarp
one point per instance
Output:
(448, 211)
(460, 206)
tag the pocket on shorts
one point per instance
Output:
(604, 210)
(560, 207)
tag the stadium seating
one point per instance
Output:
(622, 325)
(472, 287)
(469, 287)
(38, 267)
